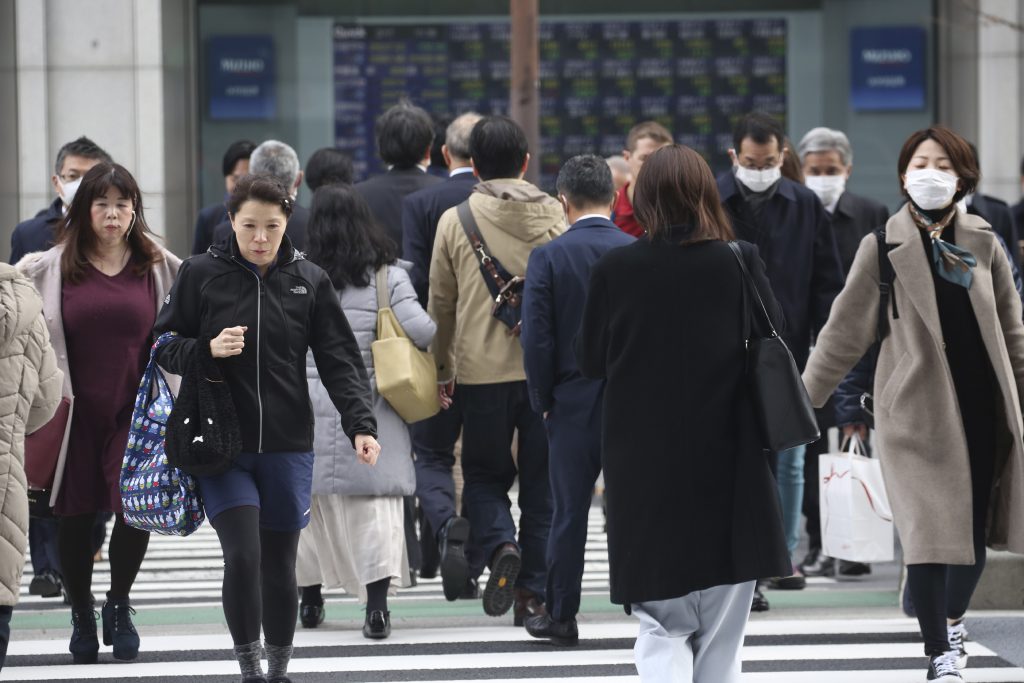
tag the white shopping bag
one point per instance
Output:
(856, 520)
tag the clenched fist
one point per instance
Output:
(229, 342)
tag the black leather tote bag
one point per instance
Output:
(783, 408)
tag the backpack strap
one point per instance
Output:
(886, 279)
(494, 274)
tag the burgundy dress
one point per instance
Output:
(108, 324)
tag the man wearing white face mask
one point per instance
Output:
(73, 161)
(827, 160)
(791, 229)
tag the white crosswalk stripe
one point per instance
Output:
(186, 573)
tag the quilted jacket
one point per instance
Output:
(30, 391)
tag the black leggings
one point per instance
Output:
(76, 547)
(259, 577)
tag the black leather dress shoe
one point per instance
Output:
(451, 543)
(312, 615)
(377, 625)
(471, 591)
(760, 603)
(558, 632)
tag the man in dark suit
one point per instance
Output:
(434, 439)
(792, 232)
(404, 136)
(558, 277)
(278, 160)
(827, 161)
(74, 160)
(234, 165)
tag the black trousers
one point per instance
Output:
(491, 414)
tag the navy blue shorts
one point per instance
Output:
(278, 484)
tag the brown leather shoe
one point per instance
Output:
(526, 605)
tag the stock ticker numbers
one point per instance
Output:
(596, 80)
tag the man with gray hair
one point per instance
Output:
(434, 439)
(827, 160)
(277, 160)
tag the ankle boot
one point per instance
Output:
(118, 629)
(84, 646)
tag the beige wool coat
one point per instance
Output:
(922, 445)
(29, 394)
(43, 267)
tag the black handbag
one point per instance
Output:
(203, 435)
(780, 399)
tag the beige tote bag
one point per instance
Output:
(406, 376)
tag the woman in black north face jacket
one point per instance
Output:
(260, 305)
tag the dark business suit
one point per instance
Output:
(854, 217)
(206, 223)
(998, 214)
(384, 193)
(433, 440)
(37, 233)
(296, 228)
(556, 290)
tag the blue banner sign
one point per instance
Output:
(240, 77)
(887, 68)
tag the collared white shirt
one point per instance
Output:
(591, 215)
(459, 171)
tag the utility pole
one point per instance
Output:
(524, 95)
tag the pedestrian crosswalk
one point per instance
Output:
(180, 583)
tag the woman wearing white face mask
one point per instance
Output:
(948, 383)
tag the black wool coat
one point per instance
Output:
(691, 501)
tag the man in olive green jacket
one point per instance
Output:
(478, 357)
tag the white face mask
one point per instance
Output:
(828, 187)
(758, 181)
(931, 188)
(69, 189)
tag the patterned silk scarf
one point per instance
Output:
(951, 262)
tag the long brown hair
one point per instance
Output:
(76, 234)
(675, 189)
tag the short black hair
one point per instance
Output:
(441, 123)
(586, 180)
(242, 149)
(760, 128)
(404, 135)
(260, 188)
(328, 166)
(498, 148)
(82, 147)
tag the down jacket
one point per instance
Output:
(30, 384)
(335, 468)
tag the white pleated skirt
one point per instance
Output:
(352, 541)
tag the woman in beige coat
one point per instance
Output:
(947, 385)
(31, 385)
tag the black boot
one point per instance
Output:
(118, 629)
(84, 645)
(377, 625)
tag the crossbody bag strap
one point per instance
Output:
(487, 262)
(749, 282)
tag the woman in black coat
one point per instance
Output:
(693, 510)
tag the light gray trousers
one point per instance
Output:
(693, 639)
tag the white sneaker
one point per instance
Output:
(957, 636)
(942, 668)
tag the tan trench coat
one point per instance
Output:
(921, 441)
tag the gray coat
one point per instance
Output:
(336, 469)
(921, 441)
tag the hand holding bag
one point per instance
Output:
(203, 434)
(406, 376)
(780, 397)
(856, 519)
(155, 496)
